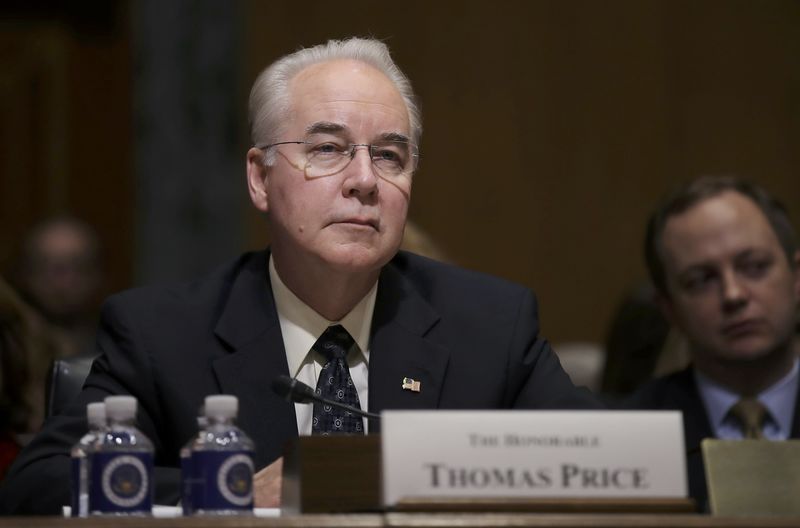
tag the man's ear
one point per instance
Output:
(257, 179)
(797, 274)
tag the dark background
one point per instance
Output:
(551, 127)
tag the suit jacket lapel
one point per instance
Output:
(697, 427)
(795, 433)
(399, 348)
(695, 417)
(249, 325)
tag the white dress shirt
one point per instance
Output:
(779, 399)
(301, 326)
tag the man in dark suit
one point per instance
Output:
(335, 130)
(723, 256)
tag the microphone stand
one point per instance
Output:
(295, 391)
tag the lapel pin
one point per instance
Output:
(410, 384)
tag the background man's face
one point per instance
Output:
(62, 274)
(732, 290)
(352, 220)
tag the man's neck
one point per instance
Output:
(330, 293)
(749, 378)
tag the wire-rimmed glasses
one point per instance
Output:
(328, 156)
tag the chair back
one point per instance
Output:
(64, 382)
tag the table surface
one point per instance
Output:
(417, 520)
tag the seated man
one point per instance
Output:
(723, 257)
(336, 131)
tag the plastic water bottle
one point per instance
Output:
(187, 478)
(222, 462)
(96, 416)
(121, 467)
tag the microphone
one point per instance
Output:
(298, 392)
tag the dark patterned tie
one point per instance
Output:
(751, 413)
(335, 384)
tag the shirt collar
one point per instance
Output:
(779, 399)
(301, 325)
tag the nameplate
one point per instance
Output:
(532, 454)
(752, 477)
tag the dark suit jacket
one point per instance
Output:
(679, 392)
(471, 340)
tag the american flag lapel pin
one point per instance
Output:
(411, 384)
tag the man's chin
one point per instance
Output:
(357, 258)
(749, 349)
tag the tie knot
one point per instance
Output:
(334, 343)
(751, 413)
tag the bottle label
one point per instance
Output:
(121, 482)
(223, 480)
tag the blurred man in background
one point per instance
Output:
(60, 275)
(723, 256)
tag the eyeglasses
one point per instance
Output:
(326, 156)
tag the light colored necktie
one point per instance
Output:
(751, 413)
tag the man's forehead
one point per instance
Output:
(344, 131)
(719, 226)
(342, 90)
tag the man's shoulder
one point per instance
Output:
(206, 293)
(432, 276)
(461, 293)
(672, 391)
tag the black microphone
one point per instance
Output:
(298, 392)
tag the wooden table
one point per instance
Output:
(418, 520)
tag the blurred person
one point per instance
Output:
(417, 240)
(641, 345)
(60, 275)
(723, 256)
(335, 131)
(24, 356)
(674, 354)
(636, 336)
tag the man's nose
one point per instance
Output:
(734, 291)
(361, 179)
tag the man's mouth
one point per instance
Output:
(742, 328)
(358, 221)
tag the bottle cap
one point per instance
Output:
(119, 408)
(221, 406)
(96, 414)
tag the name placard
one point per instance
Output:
(547, 454)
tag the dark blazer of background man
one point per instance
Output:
(723, 256)
(470, 340)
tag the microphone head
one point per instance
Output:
(292, 390)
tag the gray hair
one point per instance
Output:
(269, 97)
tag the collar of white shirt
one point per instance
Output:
(301, 326)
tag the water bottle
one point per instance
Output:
(222, 462)
(96, 416)
(187, 479)
(121, 467)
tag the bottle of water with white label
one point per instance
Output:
(187, 478)
(96, 416)
(222, 462)
(121, 467)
